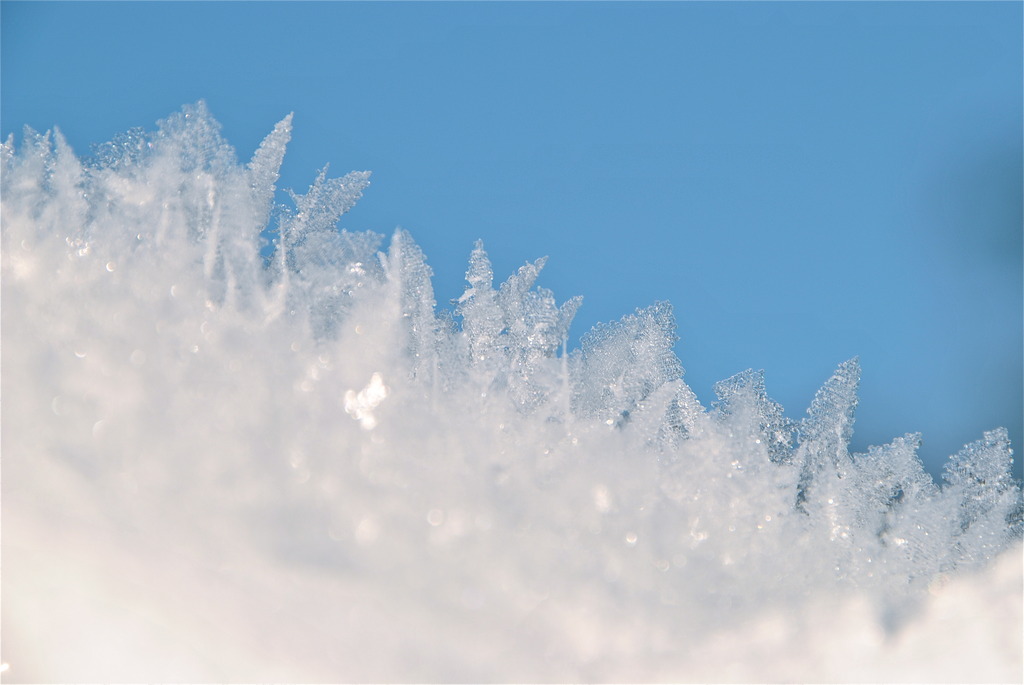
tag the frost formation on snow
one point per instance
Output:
(316, 407)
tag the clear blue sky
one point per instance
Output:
(804, 181)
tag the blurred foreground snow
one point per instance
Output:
(218, 467)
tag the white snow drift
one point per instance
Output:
(218, 466)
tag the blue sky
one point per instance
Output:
(804, 181)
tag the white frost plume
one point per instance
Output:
(223, 467)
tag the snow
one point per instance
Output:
(220, 466)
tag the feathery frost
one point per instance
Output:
(414, 493)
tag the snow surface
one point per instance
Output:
(221, 467)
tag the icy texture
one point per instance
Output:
(223, 466)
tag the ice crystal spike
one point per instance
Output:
(827, 430)
(894, 506)
(7, 153)
(515, 333)
(978, 479)
(123, 151)
(824, 437)
(265, 167)
(387, 466)
(414, 295)
(745, 392)
(482, 318)
(325, 202)
(621, 363)
(192, 138)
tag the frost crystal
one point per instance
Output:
(308, 428)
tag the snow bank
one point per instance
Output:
(223, 467)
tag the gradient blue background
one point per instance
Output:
(805, 182)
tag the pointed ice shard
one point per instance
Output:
(979, 479)
(828, 428)
(192, 137)
(745, 393)
(325, 202)
(483, 321)
(892, 496)
(514, 294)
(409, 274)
(480, 274)
(823, 437)
(265, 167)
(621, 363)
(6, 153)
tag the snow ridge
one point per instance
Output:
(317, 409)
